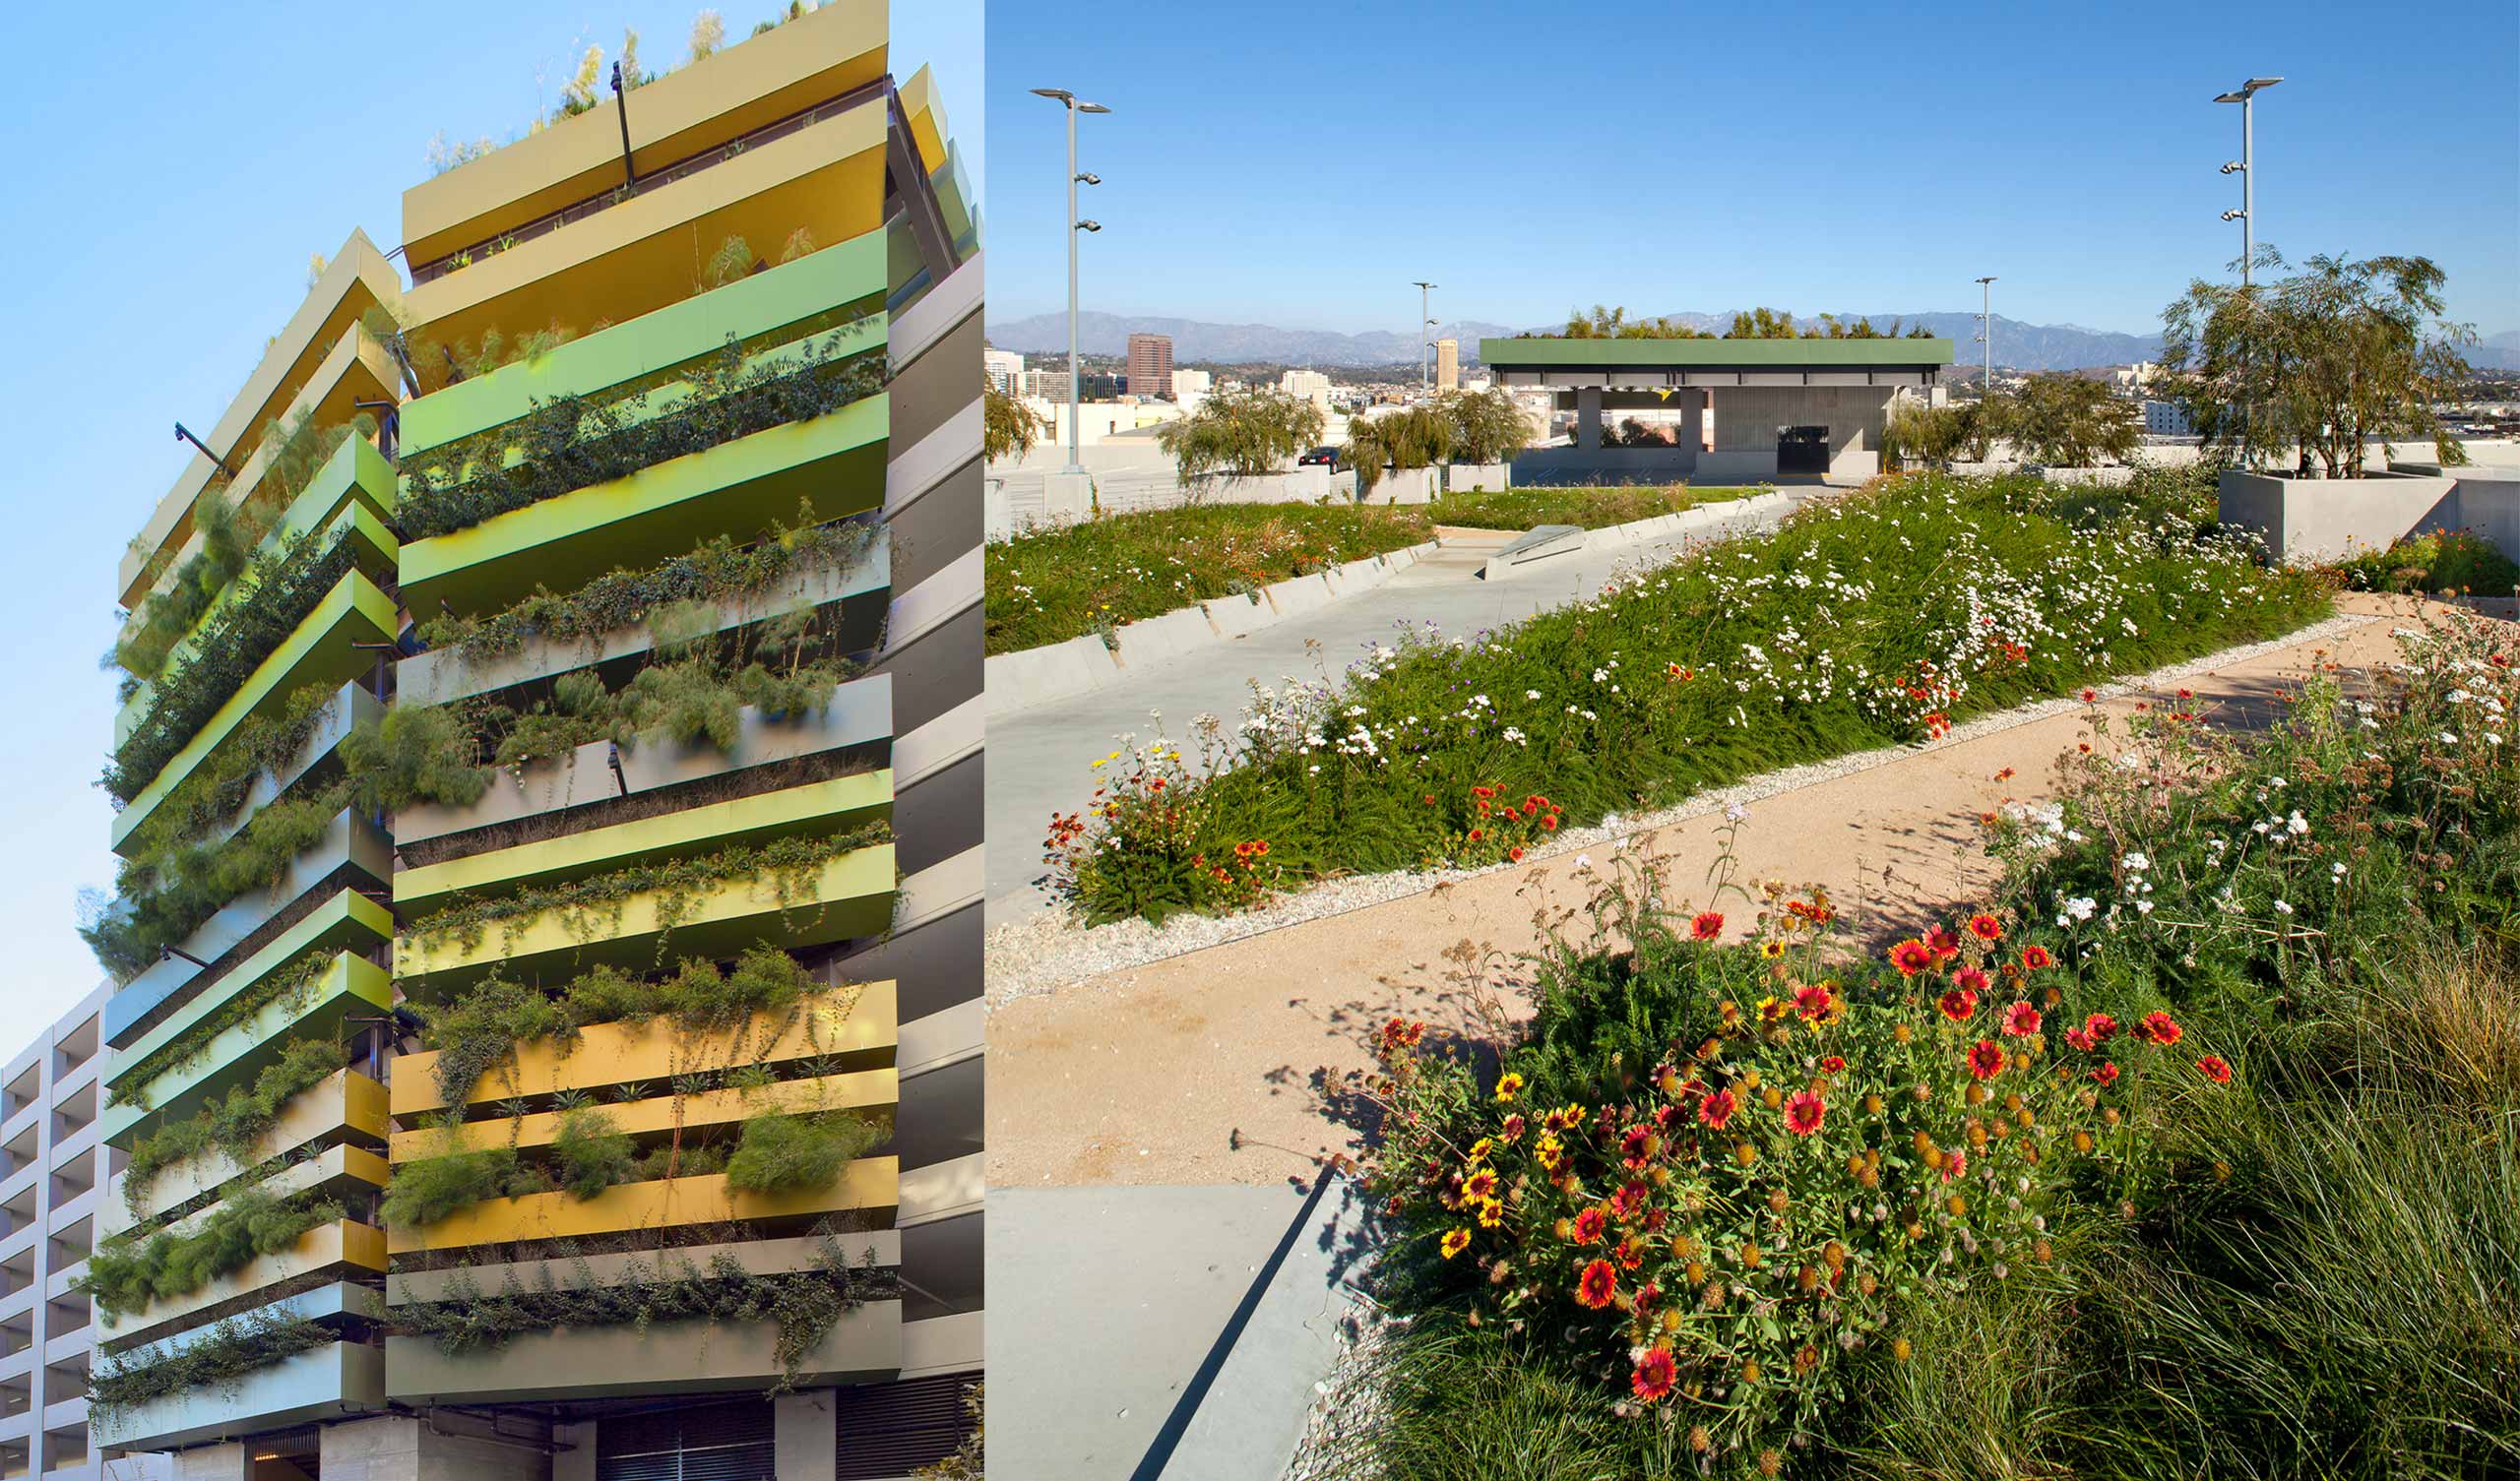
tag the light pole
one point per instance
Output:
(1986, 336)
(2247, 215)
(1423, 342)
(1075, 224)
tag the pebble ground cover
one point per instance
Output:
(1054, 584)
(1884, 617)
(2192, 1151)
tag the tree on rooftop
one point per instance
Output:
(1240, 434)
(1763, 324)
(1614, 323)
(1008, 427)
(2327, 360)
(1413, 437)
(2067, 421)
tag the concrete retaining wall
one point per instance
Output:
(2306, 521)
(1080, 666)
(1701, 520)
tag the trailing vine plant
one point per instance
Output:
(290, 983)
(573, 442)
(211, 1358)
(125, 1276)
(235, 1122)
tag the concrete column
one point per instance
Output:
(214, 1463)
(1693, 423)
(1588, 417)
(806, 1438)
(575, 1463)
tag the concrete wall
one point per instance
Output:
(1746, 419)
(2304, 520)
(1608, 468)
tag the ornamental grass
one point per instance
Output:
(1875, 620)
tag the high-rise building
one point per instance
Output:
(593, 1092)
(1187, 384)
(1149, 364)
(1309, 383)
(1447, 364)
(1005, 371)
(52, 1173)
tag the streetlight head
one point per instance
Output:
(1060, 93)
(2259, 84)
(1092, 109)
(2232, 165)
(1089, 226)
(2232, 97)
(1989, 279)
(1089, 178)
(2234, 215)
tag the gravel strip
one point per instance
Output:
(1346, 1403)
(1048, 949)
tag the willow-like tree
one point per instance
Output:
(2326, 363)
(1410, 438)
(1008, 427)
(1240, 434)
(2065, 421)
(1486, 425)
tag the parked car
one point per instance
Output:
(1334, 458)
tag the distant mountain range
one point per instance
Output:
(2022, 347)
(2018, 345)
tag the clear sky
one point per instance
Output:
(170, 169)
(1301, 170)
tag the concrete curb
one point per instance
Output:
(1080, 666)
(1699, 519)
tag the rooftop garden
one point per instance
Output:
(1859, 623)
(2194, 1148)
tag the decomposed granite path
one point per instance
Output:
(1212, 1067)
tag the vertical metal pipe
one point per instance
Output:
(1075, 379)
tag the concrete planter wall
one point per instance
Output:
(2306, 521)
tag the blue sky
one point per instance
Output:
(171, 168)
(1863, 157)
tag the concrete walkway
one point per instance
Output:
(1239, 1063)
(1186, 1327)
(1038, 760)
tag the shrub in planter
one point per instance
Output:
(782, 1152)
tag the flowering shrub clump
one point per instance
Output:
(2441, 560)
(1714, 1174)
(1144, 839)
(1873, 620)
(1051, 584)
(2184, 854)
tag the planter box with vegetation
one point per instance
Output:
(832, 465)
(867, 1186)
(837, 805)
(337, 1247)
(320, 652)
(852, 1024)
(320, 1375)
(204, 1055)
(345, 1104)
(825, 897)
(2311, 520)
(863, 1345)
(158, 1006)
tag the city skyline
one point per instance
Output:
(2094, 193)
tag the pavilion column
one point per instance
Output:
(1693, 422)
(1588, 417)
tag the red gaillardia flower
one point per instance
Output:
(2106, 1073)
(1708, 925)
(1944, 941)
(1985, 1061)
(2101, 1027)
(1717, 1108)
(1654, 1375)
(1590, 1225)
(1803, 1113)
(2216, 1069)
(1911, 956)
(1598, 1286)
(1985, 927)
(2035, 958)
(1814, 1000)
(1957, 1003)
(2158, 1029)
(1974, 978)
(1636, 1146)
(2021, 1020)
(1834, 1064)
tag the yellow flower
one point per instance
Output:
(1550, 1150)
(1479, 1149)
(1491, 1212)
(1508, 1085)
(1455, 1241)
(1772, 951)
